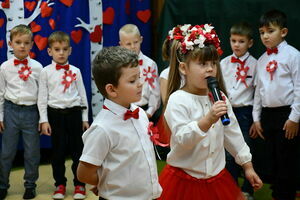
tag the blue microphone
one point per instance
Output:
(213, 86)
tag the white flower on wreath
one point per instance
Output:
(200, 41)
(189, 45)
(207, 28)
(185, 28)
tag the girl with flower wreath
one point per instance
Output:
(196, 163)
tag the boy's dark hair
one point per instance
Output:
(108, 64)
(242, 28)
(58, 36)
(20, 29)
(274, 17)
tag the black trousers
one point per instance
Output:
(66, 125)
(283, 152)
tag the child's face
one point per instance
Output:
(21, 45)
(129, 87)
(196, 73)
(131, 41)
(60, 52)
(272, 35)
(240, 44)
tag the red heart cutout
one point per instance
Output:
(76, 36)
(1, 22)
(127, 7)
(144, 15)
(32, 54)
(108, 16)
(5, 4)
(52, 23)
(30, 5)
(67, 2)
(96, 36)
(41, 42)
(1, 43)
(35, 27)
(46, 11)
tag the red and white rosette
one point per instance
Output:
(24, 73)
(68, 78)
(271, 68)
(150, 75)
(154, 136)
(242, 74)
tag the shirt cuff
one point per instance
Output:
(150, 111)
(243, 155)
(256, 116)
(43, 119)
(91, 160)
(294, 117)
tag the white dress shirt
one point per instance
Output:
(238, 93)
(201, 154)
(150, 94)
(15, 89)
(124, 153)
(284, 89)
(51, 91)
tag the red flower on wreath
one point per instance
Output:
(271, 68)
(24, 73)
(150, 75)
(68, 78)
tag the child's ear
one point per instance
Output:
(110, 90)
(70, 51)
(9, 43)
(182, 68)
(250, 43)
(141, 39)
(49, 51)
(284, 32)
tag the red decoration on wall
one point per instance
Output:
(76, 36)
(127, 7)
(41, 42)
(52, 23)
(1, 43)
(68, 3)
(108, 16)
(1, 22)
(35, 27)
(30, 5)
(5, 4)
(144, 15)
(96, 36)
(46, 11)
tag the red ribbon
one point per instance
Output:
(68, 78)
(154, 136)
(65, 67)
(150, 75)
(17, 62)
(270, 51)
(271, 68)
(236, 60)
(24, 73)
(134, 114)
(241, 70)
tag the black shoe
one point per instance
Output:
(3, 193)
(29, 193)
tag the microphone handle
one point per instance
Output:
(217, 96)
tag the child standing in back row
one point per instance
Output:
(238, 72)
(196, 162)
(276, 110)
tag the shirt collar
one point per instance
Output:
(54, 63)
(281, 45)
(14, 57)
(244, 57)
(117, 108)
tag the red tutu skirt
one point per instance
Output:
(163, 130)
(178, 185)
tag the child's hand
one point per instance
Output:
(252, 177)
(291, 129)
(149, 116)
(218, 109)
(1, 127)
(46, 129)
(252, 132)
(259, 129)
(85, 125)
(94, 189)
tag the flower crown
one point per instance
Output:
(198, 35)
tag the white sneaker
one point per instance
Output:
(79, 192)
(59, 192)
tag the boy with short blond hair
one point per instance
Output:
(18, 111)
(118, 156)
(239, 71)
(276, 110)
(63, 110)
(131, 39)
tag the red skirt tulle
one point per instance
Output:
(163, 130)
(178, 185)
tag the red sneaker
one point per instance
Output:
(79, 192)
(59, 192)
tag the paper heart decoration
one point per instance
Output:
(144, 15)
(30, 5)
(52, 23)
(76, 36)
(96, 36)
(32, 55)
(1, 43)
(46, 11)
(5, 4)
(108, 16)
(67, 2)
(35, 27)
(41, 42)
(1, 22)
(127, 7)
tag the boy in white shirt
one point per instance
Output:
(18, 111)
(238, 72)
(118, 156)
(63, 110)
(276, 110)
(130, 38)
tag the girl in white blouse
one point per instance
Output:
(196, 162)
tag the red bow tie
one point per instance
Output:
(236, 60)
(141, 62)
(58, 67)
(270, 51)
(134, 114)
(17, 62)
